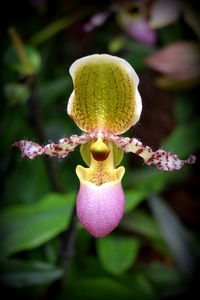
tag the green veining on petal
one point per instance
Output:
(104, 97)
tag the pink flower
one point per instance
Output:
(141, 31)
(163, 13)
(105, 103)
(136, 24)
(100, 208)
(96, 20)
(179, 60)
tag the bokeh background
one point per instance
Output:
(45, 253)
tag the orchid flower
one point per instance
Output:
(104, 104)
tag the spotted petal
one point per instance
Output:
(105, 96)
(165, 161)
(59, 150)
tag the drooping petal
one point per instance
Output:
(59, 150)
(29, 149)
(165, 161)
(100, 207)
(179, 60)
(163, 13)
(105, 96)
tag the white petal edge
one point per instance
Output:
(123, 63)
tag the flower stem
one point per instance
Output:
(55, 27)
(19, 46)
(67, 248)
(36, 120)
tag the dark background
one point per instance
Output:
(45, 253)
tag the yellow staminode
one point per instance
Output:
(101, 171)
(105, 96)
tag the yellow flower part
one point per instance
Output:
(105, 96)
(102, 163)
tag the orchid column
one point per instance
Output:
(105, 103)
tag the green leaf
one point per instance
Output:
(87, 266)
(83, 242)
(143, 223)
(166, 278)
(185, 139)
(133, 198)
(171, 33)
(151, 180)
(142, 288)
(33, 60)
(51, 250)
(99, 288)
(26, 189)
(116, 44)
(50, 91)
(117, 253)
(17, 274)
(137, 54)
(24, 227)
(16, 93)
(185, 107)
(175, 235)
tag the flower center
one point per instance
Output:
(101, 165)
(99, 150)
(102, 158)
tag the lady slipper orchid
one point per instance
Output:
(105, 103)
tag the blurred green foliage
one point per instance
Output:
(26, 227)
(32, 66)
(43, 254)
(117, 262)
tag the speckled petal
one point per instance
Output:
(100, 208)
(105, 96)
(29, 149)
(59, 150)
(165, 161)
